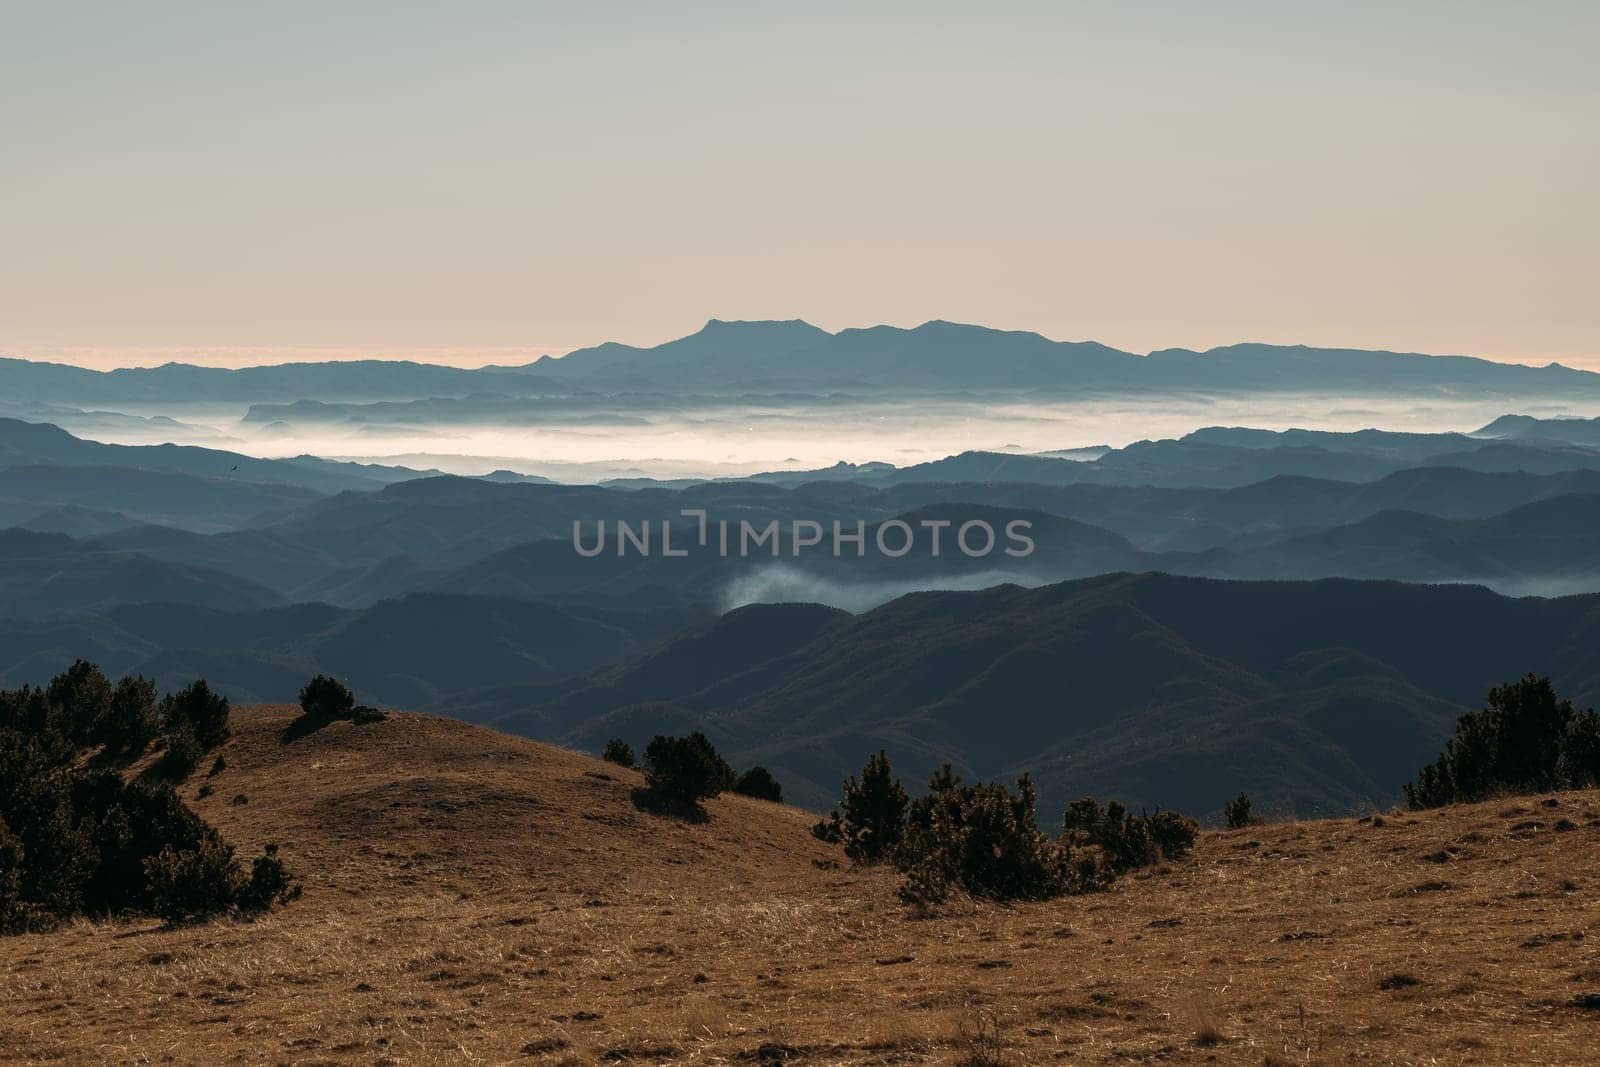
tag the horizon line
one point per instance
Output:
(519, 356)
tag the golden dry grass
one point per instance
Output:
(476, 898)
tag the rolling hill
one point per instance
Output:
(128, 496)
(51, 574)
(1556, 541)
(1315, 697)
(473, 895)
(29, 444)
(414, 650)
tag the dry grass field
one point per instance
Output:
(475, 898)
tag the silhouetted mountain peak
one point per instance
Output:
(787, 326)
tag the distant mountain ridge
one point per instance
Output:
(793, 354)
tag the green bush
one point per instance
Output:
(194, 883)
(79, 697)
(1173, 834)
(58, 856)
(758, 782)
(1121, 841)
(126, 823)
(77, 837)
(14, 911)
(686, 768)
(1523, 740)
(1579, 764)
(132, 718)
(325, 697)
(1237, 812)
(984, 840)
(619, 752)
(182, 754)
(269, 884)
(205, 713)
(872, 821)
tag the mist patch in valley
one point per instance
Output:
(781, 584)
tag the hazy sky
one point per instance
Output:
(474, 181)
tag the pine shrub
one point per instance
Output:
(687, 769)
(194, 883)
(325, 697)
(78, 838)
(1524, 739)
(203, 711)
(758, 782)
(1237, 812)
(873, 820)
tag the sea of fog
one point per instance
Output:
(611, 440)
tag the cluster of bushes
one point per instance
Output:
(689, 769)
(77, 837)
(984, 839)
(1524, 740)
(80, 709)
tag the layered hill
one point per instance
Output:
(1314, 696)
(49, 574)
(511, 538)
(419, 649)
(472, 895)
(33, 444)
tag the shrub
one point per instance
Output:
(619, 752)
(57, 857)
(126, 824)
(1523, 740)
(1122, 841)
(80, 839)
(325, 697)
(1579, 765)
(205, 881)
(873, 820)
(205, 712)
(182, 755)
(1173, 834)
(758, 782)
(1237, 812)
(132, 719)
(79, 697)
(269, 883)
(686, 768)
(14, 912)
(985, 840)
(194, 883)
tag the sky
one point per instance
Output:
(485, 182)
